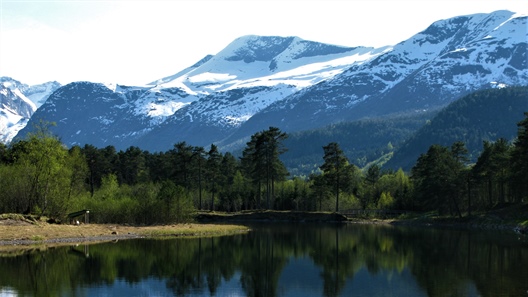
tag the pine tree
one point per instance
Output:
(519, 159)
(437, 176)
(213, 170)
(197, 158)
(182, 157)
(334, 168)
(261, 161)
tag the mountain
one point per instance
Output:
(18, 102)
(295, 85)
(200, 104)
(449, 59)
(481, 116)
(362, 141)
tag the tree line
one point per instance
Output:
(39, 175)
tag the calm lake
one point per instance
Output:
(282, 260)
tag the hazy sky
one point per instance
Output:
(135, 42)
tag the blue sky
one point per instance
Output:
(134, 42)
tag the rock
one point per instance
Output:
(521, 230)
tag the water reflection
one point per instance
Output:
(281, 260)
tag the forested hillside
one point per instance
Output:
(362, 141)
(481, 116)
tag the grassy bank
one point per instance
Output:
(18, 230)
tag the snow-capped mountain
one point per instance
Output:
(294, 84)
(18, 102)
(217, 94)
(449, 59)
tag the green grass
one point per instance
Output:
(194, 230)
(37, 238)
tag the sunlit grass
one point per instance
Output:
(15, 229)
(192, 230)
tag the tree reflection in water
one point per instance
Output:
(283, 260)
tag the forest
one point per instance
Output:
(397, 140)
(40, 175)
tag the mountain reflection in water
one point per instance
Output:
(281, 260)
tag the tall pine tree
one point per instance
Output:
(519, 161)
(334, 168)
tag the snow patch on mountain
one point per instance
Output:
(159, 110)
(211, 77)
(10, 125)
(18, 102)
(247, 66)
(251, 61)
(18, 95)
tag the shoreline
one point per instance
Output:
(68, 240)
(17, 232)
(26, 235)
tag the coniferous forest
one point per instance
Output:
(39, 175)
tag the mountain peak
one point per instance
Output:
(253, 48)
(265, 61)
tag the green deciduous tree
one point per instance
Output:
(177, 206)
(240, 191)
(399, 187)
(79, 167)
(43, 176)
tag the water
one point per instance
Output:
(281, 260)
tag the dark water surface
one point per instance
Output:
(282, 260)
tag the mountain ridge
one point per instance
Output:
(485, 115)
(294, 84)
(386, 87)
(183, 98)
